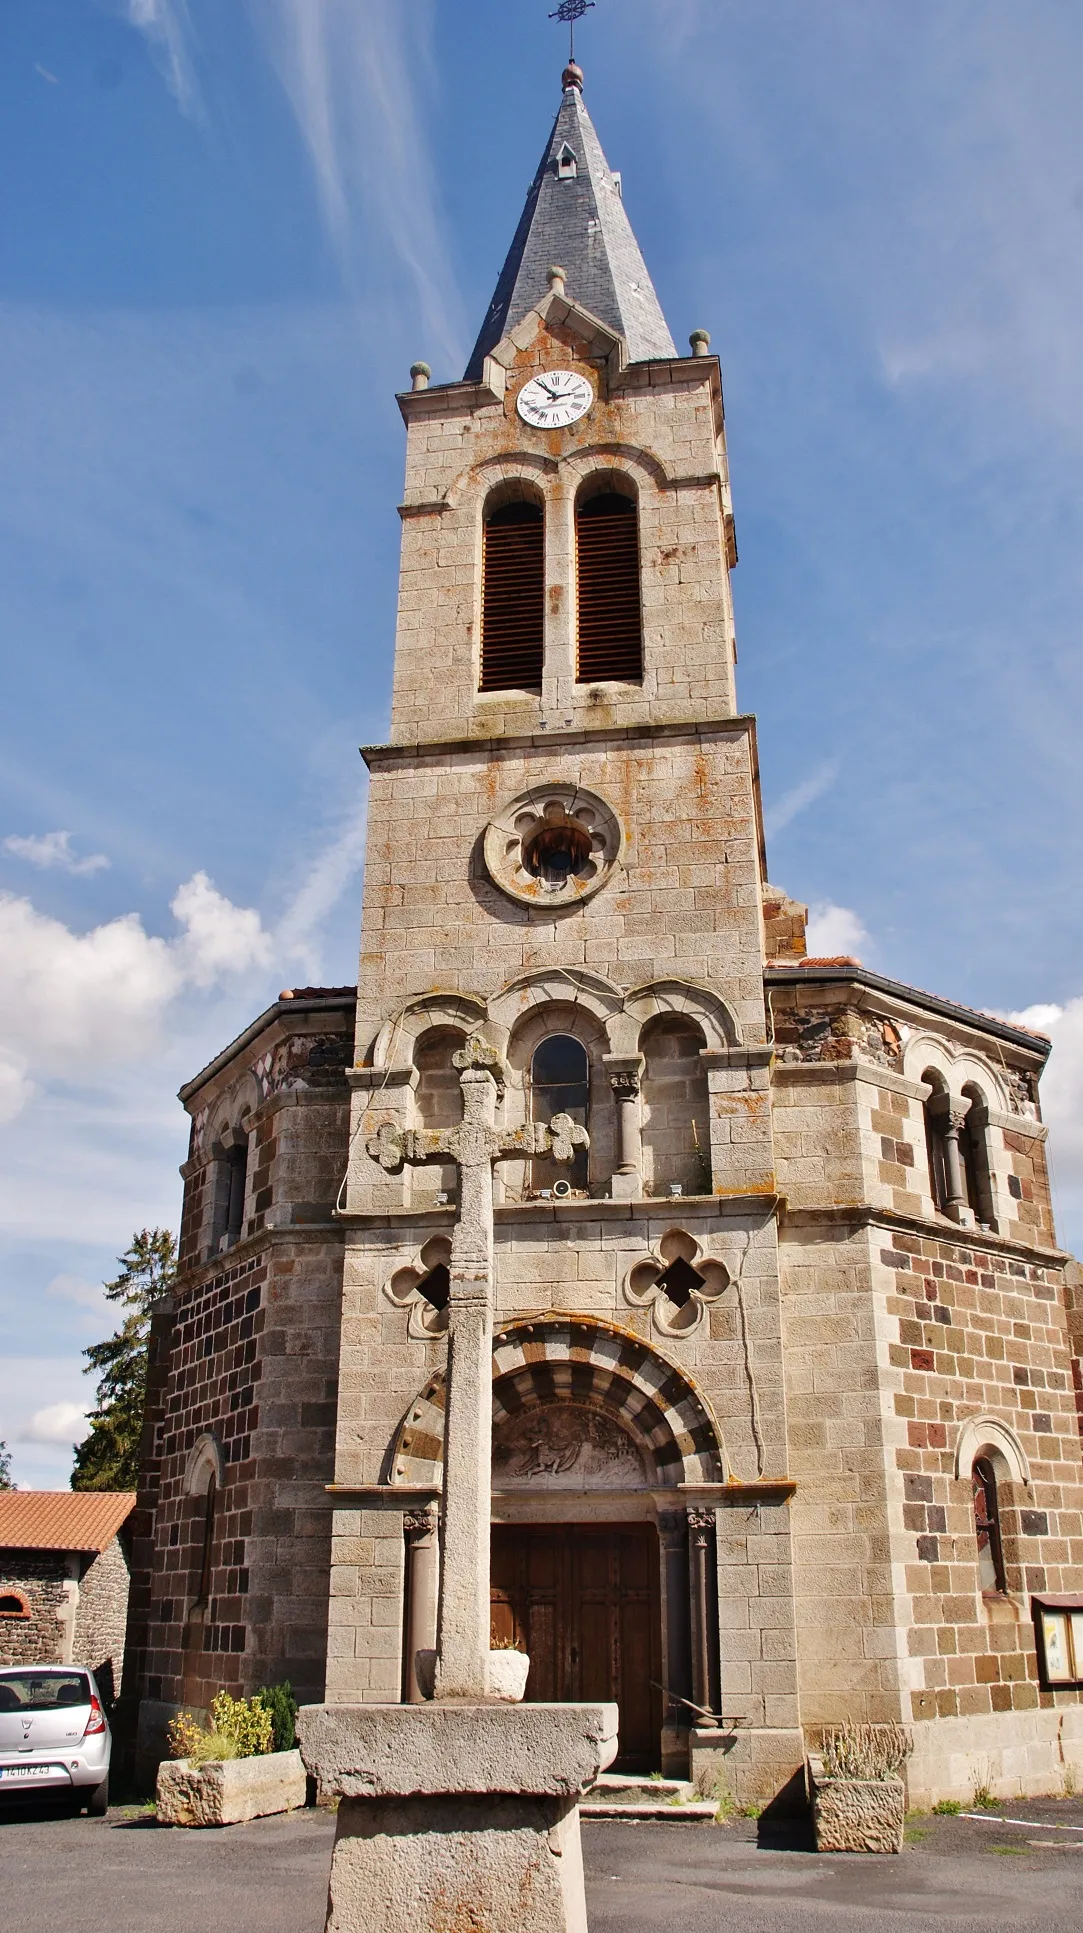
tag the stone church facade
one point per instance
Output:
(786, 1372)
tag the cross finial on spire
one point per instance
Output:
(571, 11)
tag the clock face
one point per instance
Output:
(554, 399)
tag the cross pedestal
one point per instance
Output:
(463, 1811)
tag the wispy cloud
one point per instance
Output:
(800, 797)
(351, 73)
(167, 28)
(61, 1423)
(53, 849)
(297, 932)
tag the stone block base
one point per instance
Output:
(151, 1746)
(754, 1767)
(227, 1792)
(859, 1815)
(457, 1816)
(493, 1864)
(1012, 1753)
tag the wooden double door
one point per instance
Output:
(583, 1601)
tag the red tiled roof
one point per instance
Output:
(62, 1519)
(827, 959)
(318, 993)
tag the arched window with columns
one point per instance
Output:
(560, 1084)
(437, 1104)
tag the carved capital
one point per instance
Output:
(701, 1522)
(625, 1085)
(949, 1111)
(673, 1529)
(419, 1524)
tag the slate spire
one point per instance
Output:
(574, 215)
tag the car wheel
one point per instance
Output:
(97, 1803)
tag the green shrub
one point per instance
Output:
(239, 1728)
(948, 1808)
(282, 1705)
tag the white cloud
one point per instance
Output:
(835, 929)
(77, 1002)
(351, 75)
(167, 28)
(791, 803)
(73, 1288)
(48, 849)
(62, 1423)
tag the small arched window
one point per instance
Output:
(934, 1138)
(676, 1107)
(560, 1084)
(206, 1552)
(513, 598)
(974, 1148)
(610, 618)
(991, 1575)
(13, 1605)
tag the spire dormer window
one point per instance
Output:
(567, 165)
(513, 597)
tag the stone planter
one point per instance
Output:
(508, 1673)
(858, 1815)
(225, 1792)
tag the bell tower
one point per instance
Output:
(565, 867)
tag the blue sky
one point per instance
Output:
(229, 227)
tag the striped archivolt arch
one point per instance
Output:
(575, 1359)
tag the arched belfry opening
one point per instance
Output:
(609, 635)
(512, 594)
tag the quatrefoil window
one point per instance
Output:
(423, 1288)
(677, 1282)
(553, 846)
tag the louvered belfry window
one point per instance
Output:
(513, 598)
(607, 565)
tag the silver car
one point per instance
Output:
(54, 1735)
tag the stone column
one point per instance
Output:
(949, 1113)
(676, 1611)
(701, 1541)
(624, 1072)
(463, 1641)
(422, 1592)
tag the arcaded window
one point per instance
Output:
(610, 618)
(987, 1526)
(676, 1108)
(560, 1084)
(934, 1139)
(513, 598)
(977, 1166)
(438, 1103)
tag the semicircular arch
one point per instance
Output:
(685, 997)
(394, 1044)
(980, 1433)
(542, 1360)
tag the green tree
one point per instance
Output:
(108, 1456)
(5, 1467)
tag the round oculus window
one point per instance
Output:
(553, 846)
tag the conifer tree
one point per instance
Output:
(108, 1456)
(5, 1467)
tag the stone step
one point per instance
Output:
(620, 1788)
(690, 1812)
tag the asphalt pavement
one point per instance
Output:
(125, 1874)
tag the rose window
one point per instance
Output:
(553, 846)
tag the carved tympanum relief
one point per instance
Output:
(563, 1446)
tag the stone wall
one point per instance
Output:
(40, 1579)
(101, 1618)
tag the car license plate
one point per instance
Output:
(21, 1772)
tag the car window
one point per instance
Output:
(43, 1691)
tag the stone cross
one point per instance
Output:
(462, 1646)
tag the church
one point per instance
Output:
(786, 1380)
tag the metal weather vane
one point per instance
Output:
(571, 11)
